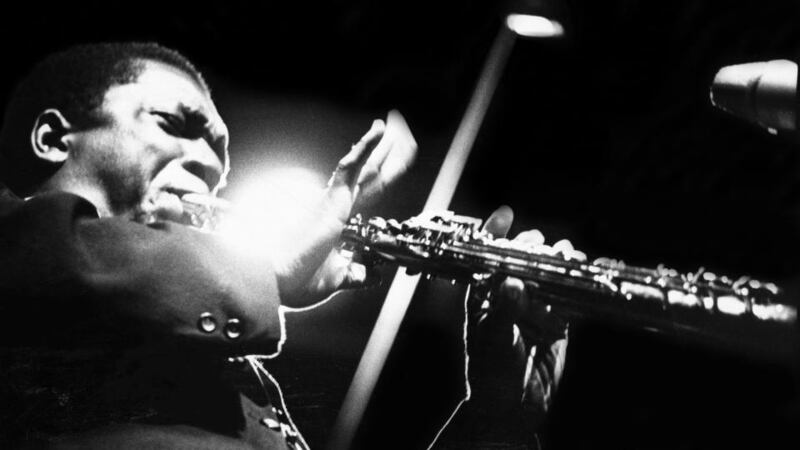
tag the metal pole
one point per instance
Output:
(403, 285)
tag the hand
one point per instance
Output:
(508, 320)
(510, 389)
(316, 271)
(513, 302)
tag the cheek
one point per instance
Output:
(155, 153)
(123, 178)
(143, 151)
(125, 164)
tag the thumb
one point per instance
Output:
(359, 276)
(499, 222)
(340, 272)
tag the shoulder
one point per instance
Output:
(51, 204)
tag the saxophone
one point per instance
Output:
(702, 304)
(743, 311)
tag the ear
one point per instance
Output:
(48, 136)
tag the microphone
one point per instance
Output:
(764, 93)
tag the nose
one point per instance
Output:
(201, 161)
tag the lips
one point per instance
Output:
(163, 206)
(178, 205)
(162, 198)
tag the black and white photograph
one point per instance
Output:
(517, 224)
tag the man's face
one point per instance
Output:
(160, 137)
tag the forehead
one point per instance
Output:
(161, 83)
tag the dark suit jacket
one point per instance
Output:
(122, 335)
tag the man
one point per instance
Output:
(128, 329)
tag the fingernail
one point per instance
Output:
(377, 124)
(578, 255)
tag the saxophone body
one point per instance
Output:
(742, 311)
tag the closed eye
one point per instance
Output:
(192, 124)
(171, 123)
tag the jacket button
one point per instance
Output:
(207, 323)
(233, 329)
(272, 424)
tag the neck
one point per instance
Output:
(64, 181)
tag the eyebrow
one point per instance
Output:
(199, 121)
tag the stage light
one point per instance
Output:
(268, 210)
(533, 26)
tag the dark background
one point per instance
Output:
(605, 137)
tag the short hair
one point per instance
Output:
(74, 81)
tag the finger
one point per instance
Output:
(359, 276)
(509, 300)
(499, 222)
(531, 302)
(404, 147)
(505, 302)
(537, 320)
(544, 250)
(530, 237)
(372, 166)
(565, 248)
(576, 255)
(349, 167)
(393, 156)
(340, 272)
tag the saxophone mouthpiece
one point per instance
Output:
(205, 212)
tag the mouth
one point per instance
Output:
(164, 205)
(180, 192)
(161, 205)
(204, 211)
(186, 207)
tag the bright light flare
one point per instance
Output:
(533, 26)
(269, 210)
